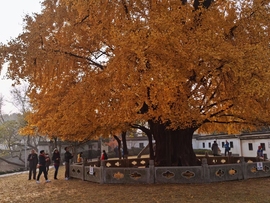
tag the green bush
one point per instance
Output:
(202, 151)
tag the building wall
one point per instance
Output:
(245, 147)
(137, 143)
(2, 147)
(255, 143)
(207, 144)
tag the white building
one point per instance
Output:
(245, 144)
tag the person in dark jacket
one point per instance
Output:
(68, 156)
(215, 148)
(42, 166)
(56, 162)
(33, 161)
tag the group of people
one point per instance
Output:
(217, 152)
(43, 162)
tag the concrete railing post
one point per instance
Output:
(83, 169)
(99, 161)
(244, 167)
(151, 178)
(102, 172)
(205, 170)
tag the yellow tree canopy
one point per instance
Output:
(96, 67)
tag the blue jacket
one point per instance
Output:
(260, 152)
(227, 146)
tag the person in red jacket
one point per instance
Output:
(104, 155)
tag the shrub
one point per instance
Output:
(202, 151)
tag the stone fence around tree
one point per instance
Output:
(212, 169)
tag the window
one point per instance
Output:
(231, 144)
(263, 146)
(209, 144)
(250, 147)
(203, 145)
(141, 145)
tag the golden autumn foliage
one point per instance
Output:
(96, 67)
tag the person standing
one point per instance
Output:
(227, 148)
(260, 153)
(68, 156)
(104, 155)
(80, 157)
(33, 161)
(42, 166)
(215, 148)
(56, 162)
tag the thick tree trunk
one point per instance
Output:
(55, 142)
(124, 140)
(173, 147)
(151, 150)
(119, 146)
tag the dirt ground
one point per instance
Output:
(17, 188)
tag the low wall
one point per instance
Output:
(144, 171)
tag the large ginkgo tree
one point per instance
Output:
(168, 67)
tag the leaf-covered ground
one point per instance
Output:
(17, 188)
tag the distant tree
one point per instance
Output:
(13, 144)
(1, 106)
(96, 67)
(20, 98)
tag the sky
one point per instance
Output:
(12, 13)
